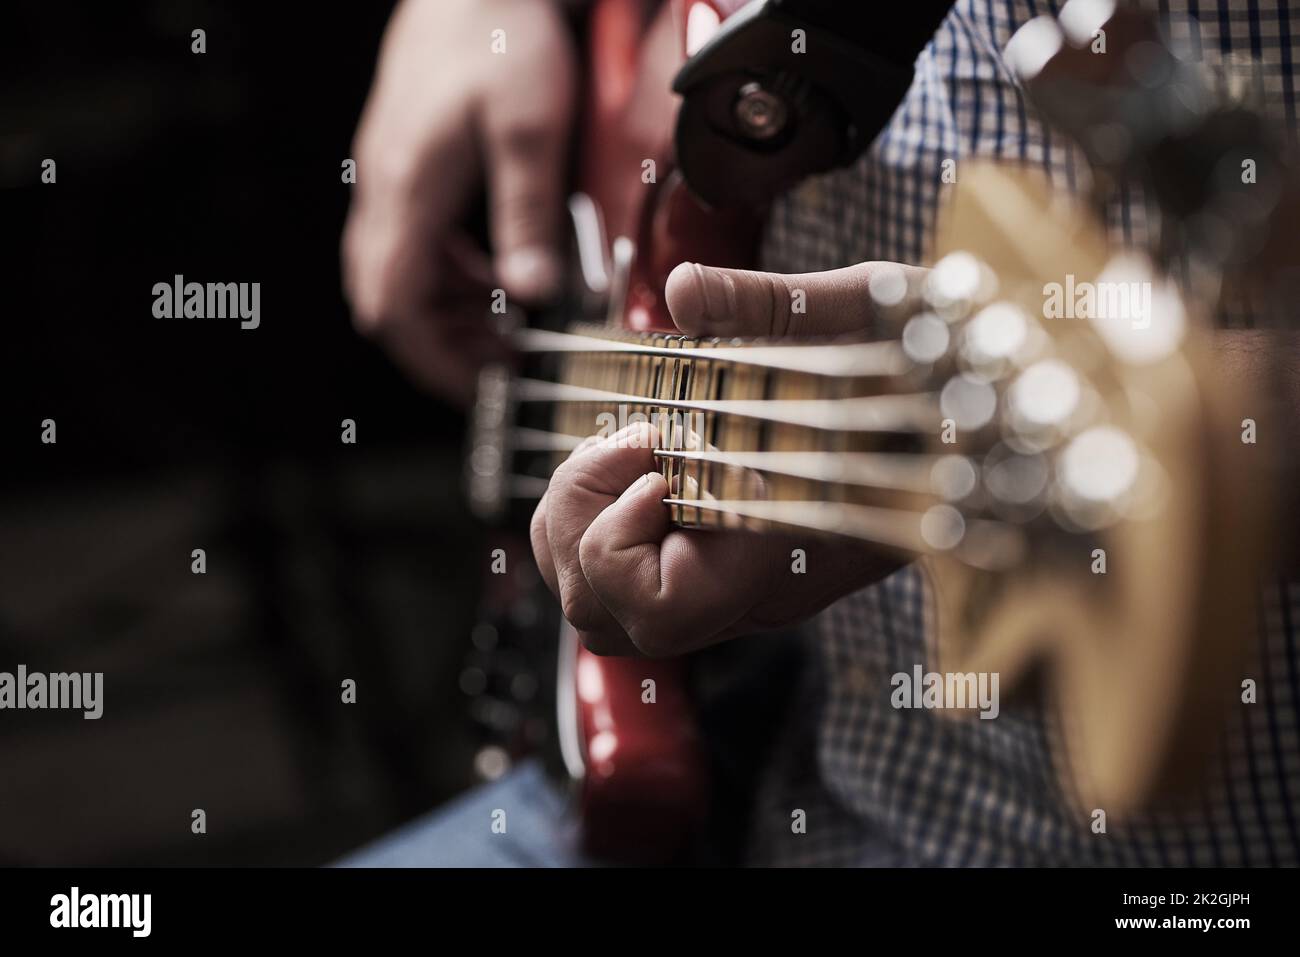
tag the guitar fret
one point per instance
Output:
(716, 423)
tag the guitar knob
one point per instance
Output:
(760, 115)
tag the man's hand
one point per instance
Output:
(627, 579)
(445, 113)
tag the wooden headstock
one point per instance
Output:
(1145, 525)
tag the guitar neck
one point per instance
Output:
(824, 438)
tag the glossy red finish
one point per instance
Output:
(646, 788)
(637, 48)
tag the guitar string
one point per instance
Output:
(891, 527)
(912, 412)
(980, 543)
(840, 360)
(983, 543)
(890, 470)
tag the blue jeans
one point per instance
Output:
(538, 829)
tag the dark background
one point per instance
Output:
(325, 561)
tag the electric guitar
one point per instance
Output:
(1074, 487)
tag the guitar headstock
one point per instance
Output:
(1079, 386)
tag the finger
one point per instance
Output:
(525, 134)
(707, 301)
(467, 269)
(579, 491)
(439, 337)
(542, 546)
(382, 278)
(653, 579)
(537, 526)
(406, 198)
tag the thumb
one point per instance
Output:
(707, 301)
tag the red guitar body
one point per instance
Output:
(644, 784)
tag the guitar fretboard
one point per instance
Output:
(749, 433)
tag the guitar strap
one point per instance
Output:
(895, 32)
(790, 88)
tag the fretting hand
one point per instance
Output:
(627, 579)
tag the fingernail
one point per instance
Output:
(640, 485)
(531, 273)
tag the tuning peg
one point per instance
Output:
(1032, 47)
(926, 338)
(1098, 477)
(957, 283)
(1000, 339)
